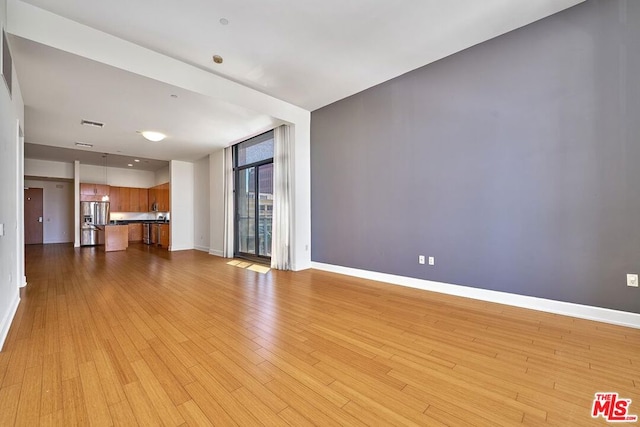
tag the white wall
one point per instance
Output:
(11, 113)
(118, 177)
(216, 202)
(301, 195)
(182, 196)
(201, 212)
(45, 27)
(57, 210)
(48, 169)
(162, 176)
(76, 203)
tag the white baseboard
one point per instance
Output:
(201, 248)
(598, 314)
(180, 248)
(8, 318)
(216, 253)
(24, 282)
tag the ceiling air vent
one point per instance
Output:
(90, 123)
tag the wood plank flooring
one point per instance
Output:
(148, 337)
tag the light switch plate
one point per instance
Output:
(1, 230)
(632, 280)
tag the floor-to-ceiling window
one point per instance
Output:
(253, 167)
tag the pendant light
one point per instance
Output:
(105, 198)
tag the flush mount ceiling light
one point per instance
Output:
(153, 136)
(217, 59)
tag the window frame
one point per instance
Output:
(236, 177)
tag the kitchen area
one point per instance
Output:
(113, 217)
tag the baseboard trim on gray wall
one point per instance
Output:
(8, 319)
(216, 253)
(201, 248)
(598, 314)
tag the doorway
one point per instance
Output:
(253, 161)
(33, 234)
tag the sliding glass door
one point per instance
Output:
(253, 160)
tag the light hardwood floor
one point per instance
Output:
(150, 337)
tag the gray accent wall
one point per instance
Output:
(515, 163)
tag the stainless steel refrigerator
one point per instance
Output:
(93, 217)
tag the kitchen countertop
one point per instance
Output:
(139, 221)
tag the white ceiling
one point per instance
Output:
(309, 54)
(60, 89)
(91, 157)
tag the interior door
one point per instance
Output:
(33, 216)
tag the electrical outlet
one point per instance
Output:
(432, 261)
(420, 259)
(1, 230)
(632, 280)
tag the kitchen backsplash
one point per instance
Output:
(139, 216)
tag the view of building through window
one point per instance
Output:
(253, 160)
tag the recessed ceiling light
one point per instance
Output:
(130, 165)
(136, 160)
(84, 145)
(224, 21)
(217, 59)
(153, 136)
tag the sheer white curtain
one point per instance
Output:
(228, 203)
(281, 228)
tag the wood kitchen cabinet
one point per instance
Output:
(115, 238)
(164, 233)
(135, 232)
(152, 196)
(87, 189)
(93, 192)
(154, 234)
(160, 195)
(134, 201)
(119, 199)
(163, 198)
(94, 189)
(143, 200)
(138, 200)
(160, 235)
(129, 199)
(124, 199)
(114, 199)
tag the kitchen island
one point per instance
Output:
(116, 237)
